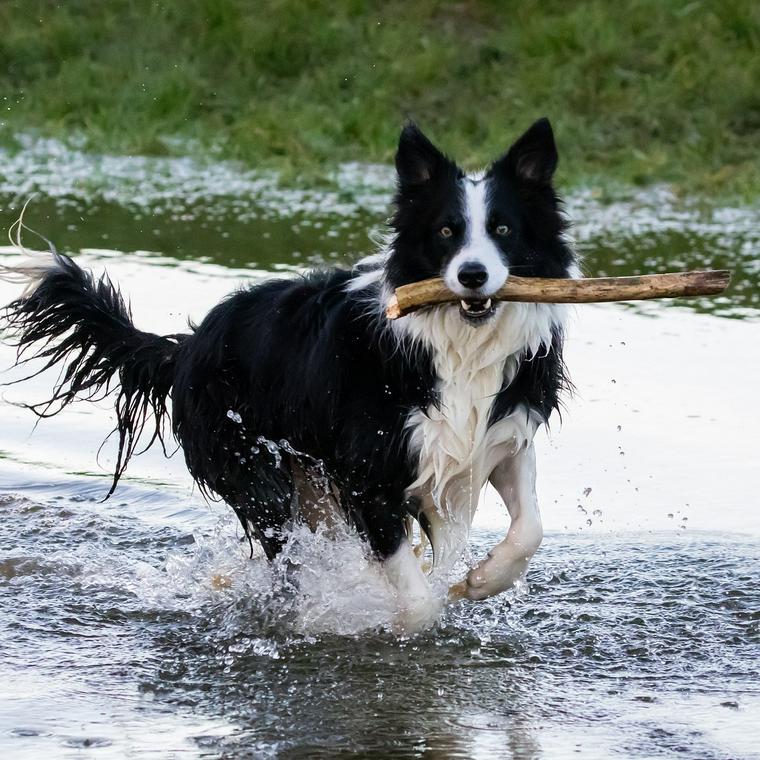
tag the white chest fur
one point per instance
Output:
(456, 446)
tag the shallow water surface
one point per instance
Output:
(141, 626)
(643, 643)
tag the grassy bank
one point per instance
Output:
(640, 91)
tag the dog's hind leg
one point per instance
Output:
(260, 489)
(506, 563)
(316, 500)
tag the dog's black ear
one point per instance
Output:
(417, 159)
(534, 156)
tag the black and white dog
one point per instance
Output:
(296, 397)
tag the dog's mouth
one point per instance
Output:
(476, 310)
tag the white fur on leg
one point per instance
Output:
(506, 563)
(417, 606)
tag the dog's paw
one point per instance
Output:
(458, 591)
(481, 584)
(475, 593)
(416, 614)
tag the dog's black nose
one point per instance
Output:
(472, 274)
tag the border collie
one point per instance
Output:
(295, 398)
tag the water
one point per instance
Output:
(140, 625)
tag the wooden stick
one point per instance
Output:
(409, 298)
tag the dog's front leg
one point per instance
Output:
(382, 523)
(515, 480)
(418, 607)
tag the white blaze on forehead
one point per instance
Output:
(478, 245)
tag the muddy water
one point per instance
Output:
(638, 633)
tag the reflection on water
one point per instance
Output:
(140, 626)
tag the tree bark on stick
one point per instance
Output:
(410, 298)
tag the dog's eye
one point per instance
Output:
(446, 232)
(502, 230)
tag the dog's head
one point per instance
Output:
(474, 230)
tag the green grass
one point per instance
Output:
(639, 92)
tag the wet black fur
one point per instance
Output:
(300, 360)
(85, 323)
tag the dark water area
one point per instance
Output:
(272, 240)
(141, 627)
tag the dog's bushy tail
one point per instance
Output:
(65, 316)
